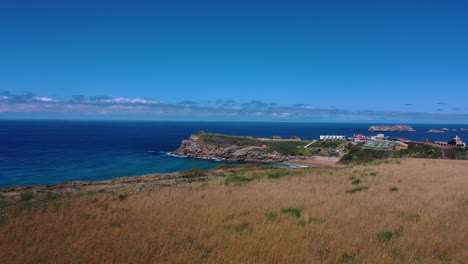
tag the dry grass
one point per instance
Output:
(308, 216)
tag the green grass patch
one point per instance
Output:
(194, 172)
(272, 216)
(356, 182)
(393, 189)
(385, 236)
(103, 206)
(277, 174)
(243, 228)
(237, 180)
(356, 190)
(347, 258)
(26, 196)
(296, 212)
(313, 220)
(87, 217)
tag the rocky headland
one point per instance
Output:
(396, 128)
(227, 148)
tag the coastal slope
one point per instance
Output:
(390, 211)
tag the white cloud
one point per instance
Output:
(44, 99)
(123, 100)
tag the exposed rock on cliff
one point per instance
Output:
(203, 145)
(396, 128)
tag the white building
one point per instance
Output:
(378, 137)
(332, 137)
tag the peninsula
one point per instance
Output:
(396, 128)
(264, 150)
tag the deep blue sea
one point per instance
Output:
(47, 152)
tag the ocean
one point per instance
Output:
(48, 152)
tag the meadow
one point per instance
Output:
(387, 211)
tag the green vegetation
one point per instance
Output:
(356, 190)
(316, 220)
(347, 258)
(243, 228)
(272, 216)
(393, 189)
(122, 197)
(194, 172)
(227, 141)
(27, 196)
(292, 211)
(385, 236)
(356, 182)
(283, 147)
(277, 174)
(237, 180)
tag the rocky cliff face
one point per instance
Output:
(396, 128)
(195, 147)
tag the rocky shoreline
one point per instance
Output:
(194, 147)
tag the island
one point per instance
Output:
(396, 128)
(435, 130)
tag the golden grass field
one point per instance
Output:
(413, 211)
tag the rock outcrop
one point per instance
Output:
(197, 147)
(396, 128)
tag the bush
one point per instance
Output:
(292, 211)
(194, 172)
(27, 196)
(356, 182)
(385, 236)
(356, 190)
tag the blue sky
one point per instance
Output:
(385, 61)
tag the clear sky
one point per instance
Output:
(241, 60)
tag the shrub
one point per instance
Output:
(385, 236)
(26, 196)
(356, 182)
(243, 228)
(346, 257)
(122, 197)
(272, 216)
(292, 211)
(356, 190)
(194, 172)
(393, 189)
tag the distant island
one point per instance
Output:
(396, 128)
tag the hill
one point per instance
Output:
(387, 211)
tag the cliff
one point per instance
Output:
(396, 128)
(228, 148)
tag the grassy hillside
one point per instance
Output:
(284, 147)
(408, 211)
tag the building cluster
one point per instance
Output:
(332, 137)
